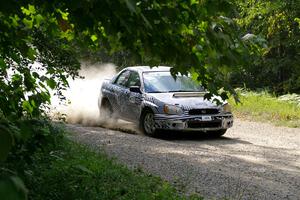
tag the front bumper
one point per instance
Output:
(193, 123)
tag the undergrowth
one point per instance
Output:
(68, 170)
(262, 106)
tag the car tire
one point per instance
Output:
(106, 112)
(218, 133)
(147, 124)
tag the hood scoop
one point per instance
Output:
(188, 94)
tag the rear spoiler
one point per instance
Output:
(189, 94)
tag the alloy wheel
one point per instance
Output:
(149, 124)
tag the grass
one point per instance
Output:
(267, 108)
(73, 171)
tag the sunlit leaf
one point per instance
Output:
(94, 38)
(31, 9)
(28, 22)
(38, 19)
(15, 20)
(27, 107)
(64, 15)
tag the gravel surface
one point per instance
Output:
(252, 161)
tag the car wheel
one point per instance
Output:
(106, 112)
(147, 123)
(218, 133)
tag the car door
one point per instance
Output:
(133, 101)
(120, 93)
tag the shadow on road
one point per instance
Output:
(173, 136)
(198, 136)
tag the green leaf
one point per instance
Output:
(51, 83)
(32, 102)
(35, 75)
(29, 11)
(38, 19)
(12, 188)
(297, 20)
(14, 20)
(94, 38)
(194, 2)
(27, 107)
(83, 169)
(45, 96)
(2, 64)
(64, 15)
(131, 5)
(224, 95)
(28, 23)
(31, 53)
(17, 79)
(29, 80)
(18, 183)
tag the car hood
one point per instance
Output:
(184, 100)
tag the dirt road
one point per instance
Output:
(252, 161)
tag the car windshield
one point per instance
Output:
(160, 82)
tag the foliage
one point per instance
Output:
(24, 137)
(12, 188)
(28, 137)
(34, 56)
(84, 174)
(195, 36)
(265, 107)
(278, 22)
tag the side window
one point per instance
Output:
(134, 80)
(122, 78)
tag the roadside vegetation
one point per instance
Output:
(57, 168)
(264, 107)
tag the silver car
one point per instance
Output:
(153, 99)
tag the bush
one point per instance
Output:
(57, 168)
(19, 142)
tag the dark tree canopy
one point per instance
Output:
(278, 67)
(193, 36)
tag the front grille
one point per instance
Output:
(203, 124)
(206, 111)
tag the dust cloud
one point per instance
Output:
(82, 99)
(83, 93)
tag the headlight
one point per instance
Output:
(172, 110)
(226, 108)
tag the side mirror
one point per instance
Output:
(135, 89)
